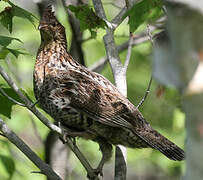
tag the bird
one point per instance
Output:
(87, 104)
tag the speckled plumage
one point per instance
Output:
(85, 102)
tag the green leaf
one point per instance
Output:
(8, 164)
(20, 12)
(88, 19)
(16, 52)
(6, 104)
(6, 16)
(3, 53)
(5, 41)
(145, 10)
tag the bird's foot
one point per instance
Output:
(67, 134)
(65, 138)
(96, 172)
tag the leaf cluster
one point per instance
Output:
(6, 19)
(143, 11)
(7, 15)
(88, 19)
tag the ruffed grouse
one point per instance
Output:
(85, 102)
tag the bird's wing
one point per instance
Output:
(97, 97)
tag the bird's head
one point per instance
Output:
(50, 28)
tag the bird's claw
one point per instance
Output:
(96, 172)
(65, 136)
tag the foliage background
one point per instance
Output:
(163, 112)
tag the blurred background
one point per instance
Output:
(162, 109)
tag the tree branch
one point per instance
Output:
(12, 137)
(10, 98)
(137, 39)
(120, 81)
(146, 94)
(127, 60)
(118, 19)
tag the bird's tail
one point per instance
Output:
(156, 141)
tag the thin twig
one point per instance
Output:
(138, 39)
(87, 39)
(164, 9)
(99, 65)
(127, 60)
(36, 172)
(10, 98)
(150, 82)
(146, 94)
(118, 19)
(44, 120)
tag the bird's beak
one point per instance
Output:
(41, 26)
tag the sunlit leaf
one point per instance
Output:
(16, 52)
(6, 104)
(5, 40)
(6, 16)
(88, 19)
(3, 53)
(145, 10)
(20, 12)
(8, 164)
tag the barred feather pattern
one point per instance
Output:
(86, 102)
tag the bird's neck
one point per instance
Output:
(50, 48)
(50, 52)
(54, 44)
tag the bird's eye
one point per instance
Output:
(54, 24)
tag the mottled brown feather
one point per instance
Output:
(86, 102)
